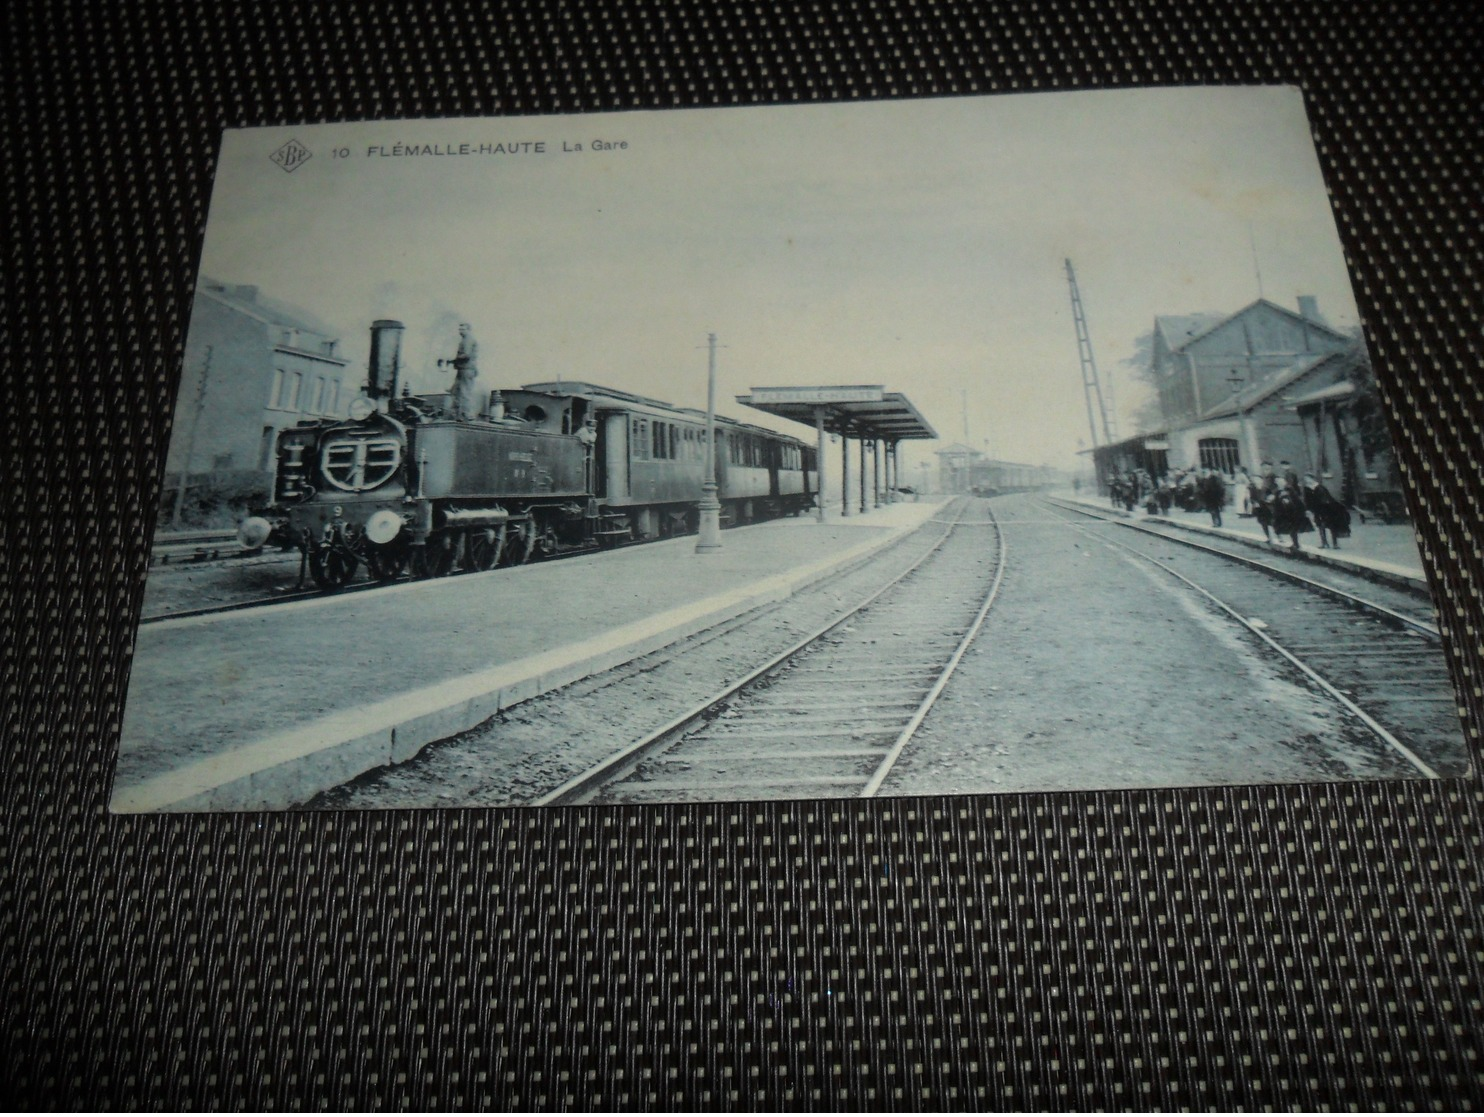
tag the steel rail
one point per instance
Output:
(620, 764)
(915, 722)
(1386, 613)
(1319, 680)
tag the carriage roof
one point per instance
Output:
(617, 398)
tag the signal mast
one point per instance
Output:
(1091, 389)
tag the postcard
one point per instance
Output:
(924, 447)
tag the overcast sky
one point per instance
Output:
(913, 244)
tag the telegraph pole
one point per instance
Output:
(190, 439)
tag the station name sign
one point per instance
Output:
(846, 394)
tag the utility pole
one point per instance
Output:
(1091, 389)
(190, 439)
(1256, 266)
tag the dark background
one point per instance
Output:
(1294, 946)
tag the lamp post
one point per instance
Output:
(709, 538)
(1236, 380)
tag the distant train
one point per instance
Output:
(404, 484)
(992, 478)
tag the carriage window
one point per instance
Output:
(639, 438)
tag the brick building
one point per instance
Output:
(1211, 370)
(252, 367)
(1222, 382)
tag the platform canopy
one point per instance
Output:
(850, 410)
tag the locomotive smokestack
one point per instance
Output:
(386, 359)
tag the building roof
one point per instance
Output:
(1132, 442)
(1179, 330)
(1322, 395)
(246, 299)
(958, 450)
(1250, 397)
(1182, 330)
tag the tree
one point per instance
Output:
(1138, 369)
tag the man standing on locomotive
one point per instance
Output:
(466, 369)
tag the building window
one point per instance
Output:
(1219, 453)
(275, 397)
(296, 386)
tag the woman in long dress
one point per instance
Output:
(1330, 515)
(1289, 517)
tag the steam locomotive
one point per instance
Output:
(408, 484)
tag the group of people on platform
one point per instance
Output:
(1280, 502)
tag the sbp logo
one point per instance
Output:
(291, 156)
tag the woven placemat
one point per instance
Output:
(1308, 946)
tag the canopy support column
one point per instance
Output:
(819, 464)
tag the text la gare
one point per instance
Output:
(597, 145)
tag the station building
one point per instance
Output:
(1265, 383)
(956, 464)
(252, 366)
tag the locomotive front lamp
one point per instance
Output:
(361, 408)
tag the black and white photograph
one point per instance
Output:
(914, 448)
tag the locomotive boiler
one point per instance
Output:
(407, 484)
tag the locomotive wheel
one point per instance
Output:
(386, 565)
(331, 567)
(433, 559)
(520, 543)
(483, 548)
(547, 543)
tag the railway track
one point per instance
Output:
(829, 716)
(1382, 666)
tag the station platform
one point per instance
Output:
(264, 709)
(1384, 551)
